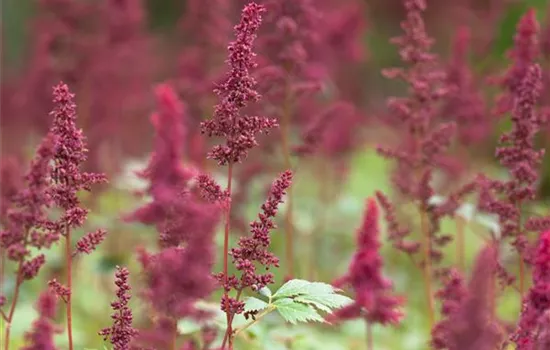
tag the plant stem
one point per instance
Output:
(255, 320)
(227, 224)
(18, 283)
(229, 318)
(285, 134)
(369, 336)
(427, 270)
(521, 275)
(69, 261)
(460, 243)
(520, 257)
(173, 346)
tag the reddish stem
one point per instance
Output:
(69, 260)
(226, 253)
(18, 283)
(427, 270)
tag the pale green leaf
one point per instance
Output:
(292, 288)
(324, 302)
(254, 304)
(265, 291)
(295, 312)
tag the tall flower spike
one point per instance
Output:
(373, 299)
(253, 249)
(536, 305)
(70, 153)
(524, 53)
(235, 93)
(120, 334)
(41, 336)
(468, 322)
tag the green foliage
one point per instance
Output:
(299, 300)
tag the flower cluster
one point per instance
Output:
(526, 50)
(373, 299)
(121, 333)
(468, 322)
(43, 329)
(536, 305)
(253, 249)
(425, 139)
(69, 153)
(518, 154)
(236, 92)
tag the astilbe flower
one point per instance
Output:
(121, 333)
(253, 250)
(180, 274)
(425, 139)
(177, 277)
(115, 89)
(344, 53)
(524, 53)
(206, 29)
(518, 155)
(168, 179)
(26, 216)
(533, 320)
(464, 104)
(10, 177)
(373, 300)
(70, 153)
(468, 322)
(235, 93)
(41, 336)
(101, 49)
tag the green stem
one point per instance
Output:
(256, 319)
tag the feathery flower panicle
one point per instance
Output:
(26, 221)
(211, 190)
(545, 36)
(121, 333)
(41, 336)
(70, 154)
(536, 304)
(90, 241)
(174, 210)
(524, 54)
(518, 155)
(425, 139)
(180, 274)
(468, 322)
(206, 29)
(235, 93)
(464, 104)
(253, 250)
(10, 177)
(373, 299)
(176, 277)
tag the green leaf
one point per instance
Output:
(324, 302)
(254, 304)
(292, 288)
(295, 312)
(300, 287)
(265, 291)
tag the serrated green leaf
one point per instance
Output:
(292, 288)
(254, 304)
(265, 291)
(295, 312)
(301, 287)
(324, 302)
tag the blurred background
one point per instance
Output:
(113, 52)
